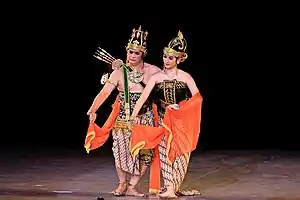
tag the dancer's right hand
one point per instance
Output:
(92, 117)
(135, 119)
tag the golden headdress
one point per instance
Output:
(177, 47)
(138, 40)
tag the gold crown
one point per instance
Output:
(138, 40)
(177, 46)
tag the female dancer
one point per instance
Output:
(179, 118)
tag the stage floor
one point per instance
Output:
(218, 175)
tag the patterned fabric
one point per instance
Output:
(172, 174)
(121, 138)
(172, 92)
(133, 99)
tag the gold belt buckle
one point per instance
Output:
(123, 124)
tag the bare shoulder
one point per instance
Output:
(117, 73)
(157, 76)
(152, 68)
(185, 75)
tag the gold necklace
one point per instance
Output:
(135, 76)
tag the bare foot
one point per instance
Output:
(168, 194)
(131, 191)
(121, 189)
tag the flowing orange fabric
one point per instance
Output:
(97, 136)
(181, 129)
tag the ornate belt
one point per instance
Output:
(123, 124)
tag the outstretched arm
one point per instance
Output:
(192, 85)
(101, 97)
(145, 94)
(109, 86)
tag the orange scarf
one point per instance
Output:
(181, 129)
(97, 136)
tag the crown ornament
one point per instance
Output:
(177, 47)
(138, 40)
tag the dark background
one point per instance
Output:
(53, 77)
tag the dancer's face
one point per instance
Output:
(134, 57)
(169, 61)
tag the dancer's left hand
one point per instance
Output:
(173, 106)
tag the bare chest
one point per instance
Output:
(133, 83)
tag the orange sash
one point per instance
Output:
(181, 129)
(97, 136)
